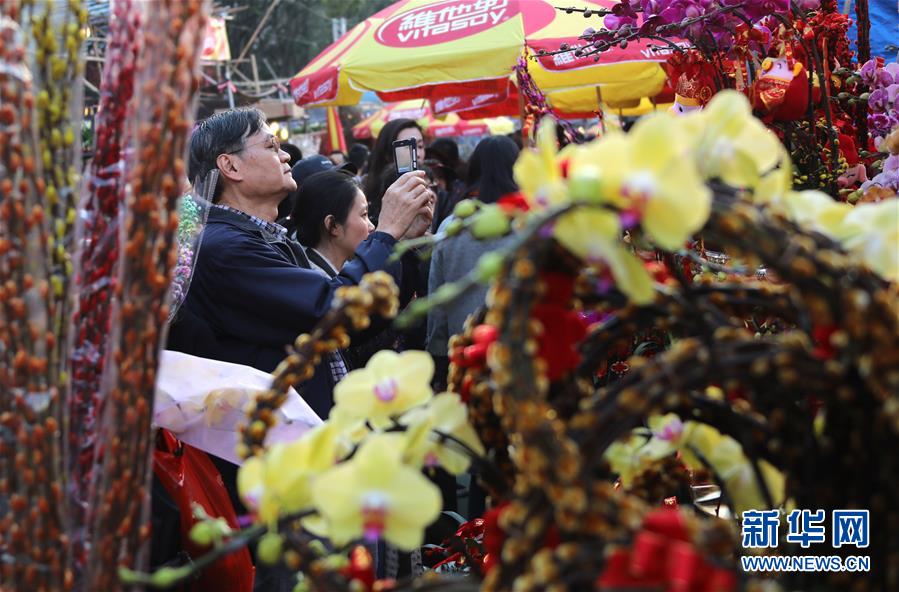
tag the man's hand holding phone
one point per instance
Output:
(408, 197)
(405, 155)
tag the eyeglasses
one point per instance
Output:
(275, 145)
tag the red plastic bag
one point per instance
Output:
(190, 477)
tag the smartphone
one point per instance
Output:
(405, 155)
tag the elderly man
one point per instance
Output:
(252, 290)
(252, 287)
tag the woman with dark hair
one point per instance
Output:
(490, 169)
(489, 178)
(450, 170)
(381, 167)
(330, 219)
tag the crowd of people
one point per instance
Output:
(284, 233)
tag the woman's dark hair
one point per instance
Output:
(490, 168)
(329, 193)
(380, 162)
(220, 134)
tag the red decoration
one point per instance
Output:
(513, 202)
(563, 328)
(695, 80)
(494, 537)
(782, 88)
(824, 350)
(361, 568)
(661, 557)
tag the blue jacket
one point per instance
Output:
(252, 293)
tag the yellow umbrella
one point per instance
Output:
(453, 125)
(371, 126)
(420, 111)
(436, 48)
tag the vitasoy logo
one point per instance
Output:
(445, 21)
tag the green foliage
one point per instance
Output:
(295, 32)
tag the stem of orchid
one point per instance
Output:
(241, 540)
(237, 542)
(488, 472)
(674, 46)
(603, 403)
(713, 266)
(405, 246)
(828, 116)
(707, 331)
(760, 482)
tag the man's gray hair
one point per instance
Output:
(221, 133)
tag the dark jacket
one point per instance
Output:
(255, 292)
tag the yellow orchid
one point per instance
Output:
(667, 435)
(351, 430)
(388, 386)
(593, 235)
(538, 172)
(814, 210)
(446, 413)
(735, 470)
(871, 231)
(628, 458)
(723, 453)
(735, 146)
(670, 434)
(700, 437)
(375, 495)
(279, 482)
(649, 174)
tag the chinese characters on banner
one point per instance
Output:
(760, 528)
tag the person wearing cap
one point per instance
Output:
(305, 168)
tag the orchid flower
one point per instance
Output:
(280, 481)
(374, 495)
(388, 386)
(445, 413)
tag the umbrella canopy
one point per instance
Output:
(440, 48)
(449, 126)
(453, 125)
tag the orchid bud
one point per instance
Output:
(491, 222)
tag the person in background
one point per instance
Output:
(303, 170)
(337, 157)
(296, 155)
(381, 173)
(489, 178)
(330, 219)
(381, 167)
(358, 155)
(449, 169)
